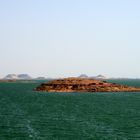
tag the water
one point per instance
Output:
(29, 115)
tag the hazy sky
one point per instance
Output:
(55, 38)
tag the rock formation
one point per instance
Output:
(83, 85)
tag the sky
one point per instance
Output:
(60, 38)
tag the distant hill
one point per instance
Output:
(92, 77)
(83, 76)
(24, 76)
(17, 77)
(40, 78)
(10, 76)
(99, 77)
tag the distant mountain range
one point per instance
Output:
(17, 77)
(28, 77)
(92, 77)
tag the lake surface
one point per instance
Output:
(29, 115)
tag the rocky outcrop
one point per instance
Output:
(83, 85)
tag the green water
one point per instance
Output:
(29, 115)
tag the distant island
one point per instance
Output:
(92, 77)
(17, 77)
(83, 85)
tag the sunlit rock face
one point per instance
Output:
(83, 85)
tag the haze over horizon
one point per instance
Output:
(67, 38)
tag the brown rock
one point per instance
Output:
(83, 85)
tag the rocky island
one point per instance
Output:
(83, 85)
